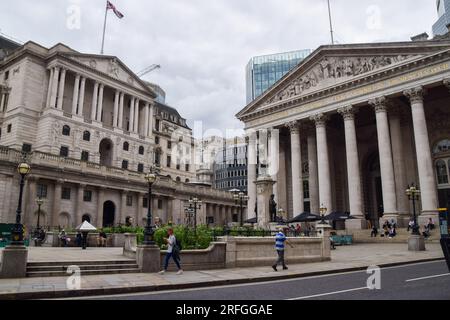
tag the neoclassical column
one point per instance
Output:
(251, 174)
(385, 153)
(76, 92)
(150, 120)
(116, 109)
(79, 205)
(131, 128)
(55, 81)
(100, 103)
(146, 119)
(313, 172)
(94, 102)
(140, 201)
(56, 202)
(81, 99)
(296, 163)
(425, 166)
(62, 84)
(100, 202)
(50, 87)
(123, 206)
(122, 98)
(274, 159)
(325, 196)
(353, 171)
(136, 116)
(401, 181)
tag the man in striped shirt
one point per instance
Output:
(280, 239)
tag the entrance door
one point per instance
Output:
(109, 213)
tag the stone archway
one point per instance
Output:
(109, 214)
(106, 152)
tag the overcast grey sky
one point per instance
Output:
(203, 46)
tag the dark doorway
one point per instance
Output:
(374, 189)
(86, 217)
(444, 198)
(109, 213)
(106, 156)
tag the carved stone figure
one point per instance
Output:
(114, 68)
(273, 209)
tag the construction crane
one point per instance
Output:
(148, 70)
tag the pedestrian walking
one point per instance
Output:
(280, 239)
(173, 251)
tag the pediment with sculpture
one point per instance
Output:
(333, 70)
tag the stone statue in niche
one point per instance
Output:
(273, 209)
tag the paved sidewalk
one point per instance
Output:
(346, 258)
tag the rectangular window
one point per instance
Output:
(41, 191)
(64, 152)
(140, 167)
(160, 204)
(6, 75)
(65, 194)
(157, 122)
(125, 164)
(187, 168)
(9, 128)
(26, 147)
(87, 196)
(84, 156)
(169, 161)
(129, 201)
(169, 144)
(145, 203)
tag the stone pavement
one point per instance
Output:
(347, 258)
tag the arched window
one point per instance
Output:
(442, 146)
(141, 150)
(187, 181)
(66, 130)
(126, 146)
(86, 136)
(178, 179)
(441, 171)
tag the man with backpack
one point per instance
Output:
(173, 251)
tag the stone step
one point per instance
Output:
(34, 274)
(82, 267)
(80, 263)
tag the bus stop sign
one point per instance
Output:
(444, 225)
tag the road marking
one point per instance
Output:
(137, 294)
(328, 294)
(429, 277)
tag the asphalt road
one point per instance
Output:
(424, 281)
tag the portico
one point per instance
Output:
(368, 113)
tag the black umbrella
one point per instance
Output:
(305, 217)
(338, 216)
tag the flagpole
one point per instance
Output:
(104, 29)
(331, 23)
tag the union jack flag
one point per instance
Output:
(109, 6)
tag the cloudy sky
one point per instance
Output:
(203, 46)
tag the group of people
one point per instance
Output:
(65, 240)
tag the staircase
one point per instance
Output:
(59, 269)
(363, 236)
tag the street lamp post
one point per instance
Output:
(240, 198)
(323, 210)
(17, 231)
(414, 195)
(149, 230)
(39, 202)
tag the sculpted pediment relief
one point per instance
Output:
(331, 71)
(112, 67)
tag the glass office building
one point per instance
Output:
(263, 71)
(443, 10)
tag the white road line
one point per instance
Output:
(430, 277)
(328, 293)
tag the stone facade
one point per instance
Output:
(357, 124)
(93, 129)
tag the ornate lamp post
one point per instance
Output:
(323, 210)
(195, 203)
(414, 195)
(240, 198)
(17, 231)
(149, 229)
(39, 202)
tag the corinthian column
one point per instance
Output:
(76, 89)
(354, 175)
(62, 84)
(323, 162)
(136, 116)
(81, 100)
(274, 159)
(122, 98)
(131, 128)
(146, 112)
(296, 161)
(386, 162)
(53, 94)
(94, 102)
(251, 175)
(423, 151)
(100, 103)
(116, 109)
(313, 178)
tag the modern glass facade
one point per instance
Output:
(263, 71)
(443, 10)
(230, 168)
